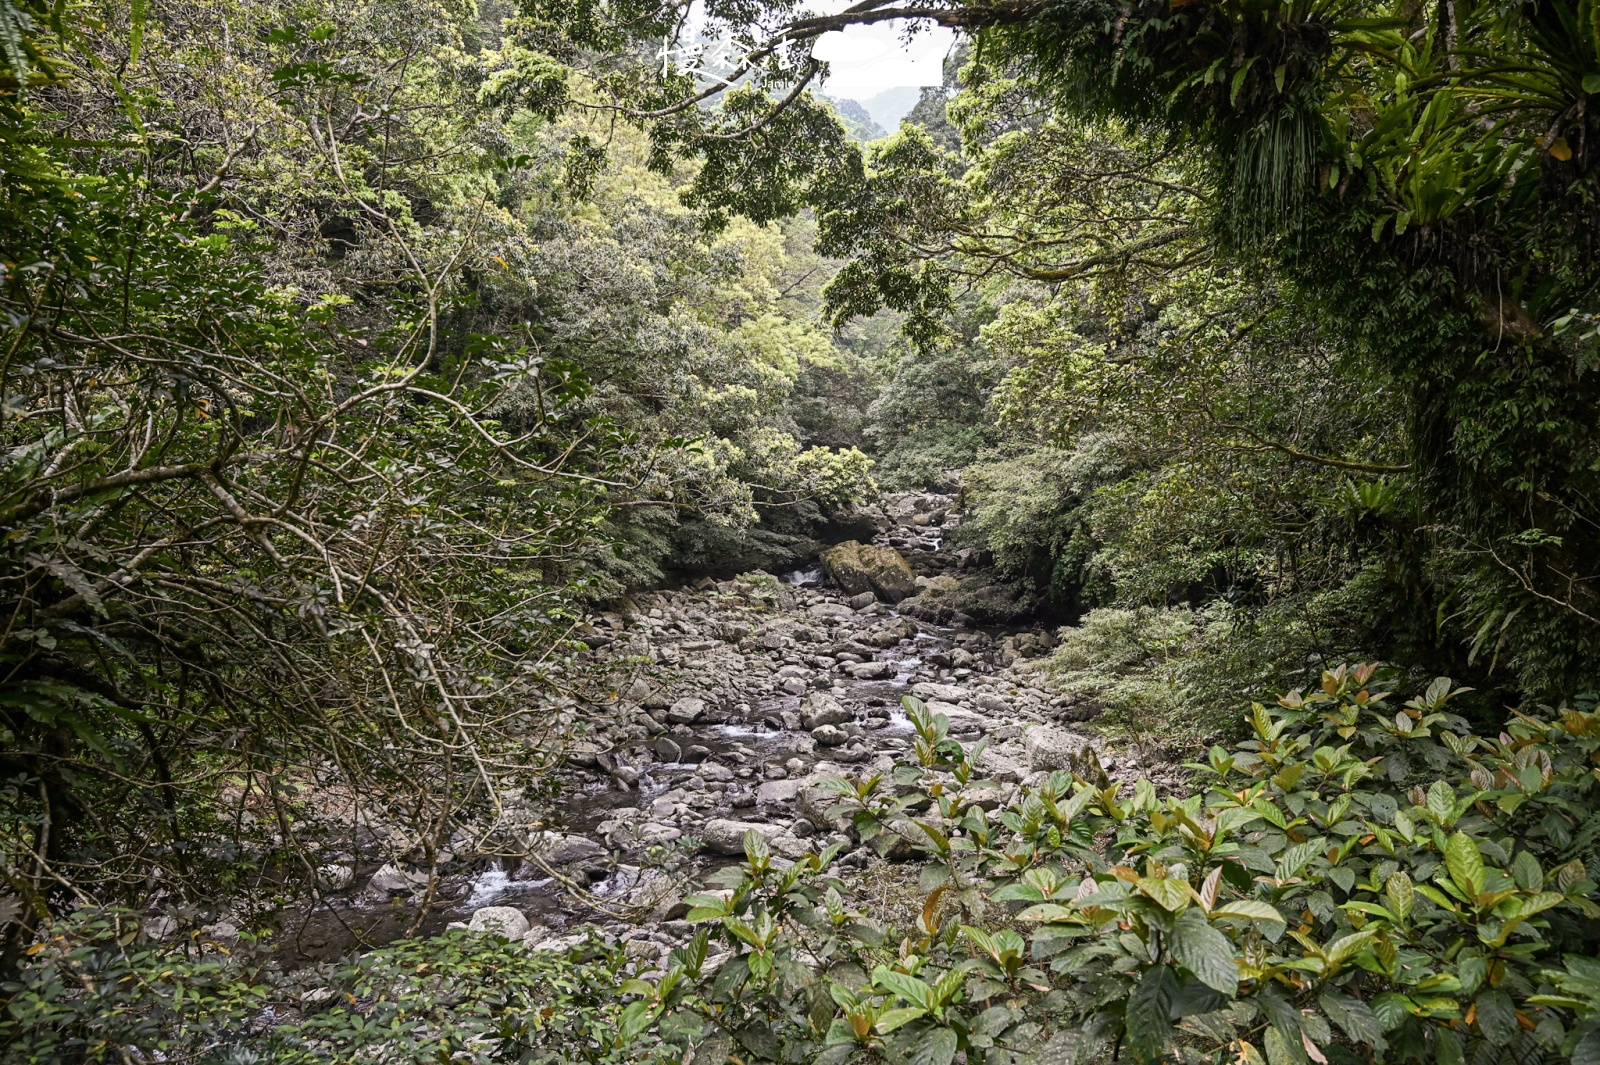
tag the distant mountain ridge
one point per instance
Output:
(887, 108)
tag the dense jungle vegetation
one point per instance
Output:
(355, 352)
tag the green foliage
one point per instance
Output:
(1422, 177)
(343, 365)
(1029, 512)
(1360, 880)
(94, 993)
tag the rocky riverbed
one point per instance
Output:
(731, 700)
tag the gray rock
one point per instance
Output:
(653, 833)
(686, 711)
(813, 804)
(870, 670)
(554, 944)
(821, 708)
(793, 685)
(391, 878)
(789, 846)
(831, 610)
(336, 876)
(668, 750)
(948, 693)
(774, 792)
(1051, 748)
(499, 920)
(830, 735)
(859, 568)
(559, 849)
(1006, 766)
(711, 771)
(993, 703)
(160, 927)
(723, 836)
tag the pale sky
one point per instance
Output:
(867, 60)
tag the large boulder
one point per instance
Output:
(813, 802)
(949, 693)
(1052, 748)
(686, 711)
(774, 792)
(499, 920)
(723, 836)
(1003, 765)
(830, 735)
(858, 568)
(556, 848)
(820, 708)
(391, 879)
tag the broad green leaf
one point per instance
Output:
(1526, 872)
(1587, 1051)
(1147, 1017)
(936, 1047)
(1049, 911)
(907, 987)
(1074, 806)
(1297, 857)
(1205, 952)
(892, 1019)
(1401, 894)
(1465, 863)
(1447, 1047)
(1496, 1017)
(1353, 1016)
(1441, 802)
(636, 1017)
(1251, 908)
(1280, 1051)
(932, 876)
(1170, 893)
(843, 996)
(1266, 809)
(1392, 1009)
(1346, 947)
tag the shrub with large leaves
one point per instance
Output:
(1363, 880)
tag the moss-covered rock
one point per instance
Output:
(858, 567)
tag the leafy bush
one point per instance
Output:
(1031, 511)
(1130, 665)
(94, 993)
(1363, 880)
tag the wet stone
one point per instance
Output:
(686, 711)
